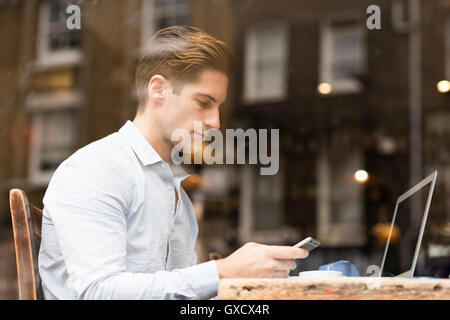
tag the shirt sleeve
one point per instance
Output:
(88, 205)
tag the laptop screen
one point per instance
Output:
(405, 233)
(407, 229)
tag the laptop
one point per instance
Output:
(400, 255)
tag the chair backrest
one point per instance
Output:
(26, 222)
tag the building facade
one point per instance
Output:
(340, 94)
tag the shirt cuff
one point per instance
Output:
(204, 278)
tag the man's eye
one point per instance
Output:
(203, 103)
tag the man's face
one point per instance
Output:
(195, 101)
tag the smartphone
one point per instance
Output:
(308, 244)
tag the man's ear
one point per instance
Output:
(156, 88)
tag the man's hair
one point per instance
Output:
(179, 54)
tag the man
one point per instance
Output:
(117, 224)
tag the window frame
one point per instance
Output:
(37, 105)
(46, 57)
(343, 86)
(447, 46)
(332, 233)
(250, 94)
(150, 13)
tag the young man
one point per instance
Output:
(117, 224)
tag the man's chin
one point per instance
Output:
(189, 151)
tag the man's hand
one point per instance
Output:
(255, 260)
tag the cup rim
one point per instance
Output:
(335, 273)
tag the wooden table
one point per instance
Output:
(347, 288)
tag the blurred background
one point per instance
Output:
(363, 114)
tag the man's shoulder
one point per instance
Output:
(108, 145)
(106, 153)
(102, 167)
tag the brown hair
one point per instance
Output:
(180, 53)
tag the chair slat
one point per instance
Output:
(26, 222)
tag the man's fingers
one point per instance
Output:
(287, 252)
(286, 265)
(280, 274)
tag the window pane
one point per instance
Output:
(182, 20)
(345, 202)
(59, 36)
(64, 40)
(270, 79)
(58, 11)
(347, 48)
(266, 202)
(268, 62)
(447, 45)
(170, 13)
(269, 45)
(58, 138)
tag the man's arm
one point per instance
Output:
(88, 205)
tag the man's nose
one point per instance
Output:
(212, 119)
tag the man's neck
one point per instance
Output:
(153, 136)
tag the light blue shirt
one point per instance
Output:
(110, 230)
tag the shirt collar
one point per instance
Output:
(143, 149)
(179, 173)
(145, 152)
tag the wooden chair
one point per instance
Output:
(26, 222)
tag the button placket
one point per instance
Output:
(171, 200)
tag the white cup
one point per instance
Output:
(320, 274)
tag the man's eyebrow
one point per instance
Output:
(205, 95)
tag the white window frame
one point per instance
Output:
(447, 187)
(447, 47)
(343, 86)
(250, 94)
(337, 233)
(147, 27)
(46, 57)
(150, 14)
(36, 105)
